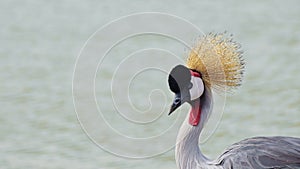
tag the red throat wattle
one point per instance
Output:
(195, 113)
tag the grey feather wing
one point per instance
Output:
(262, 153)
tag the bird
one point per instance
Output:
(215, 63)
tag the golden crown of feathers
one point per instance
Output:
(219, 60)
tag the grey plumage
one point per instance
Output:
(252, 153)
(262, 153)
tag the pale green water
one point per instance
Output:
(40, 41)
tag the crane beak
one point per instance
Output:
(178, 101)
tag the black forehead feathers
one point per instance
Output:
(179, 77)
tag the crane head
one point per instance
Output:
(186, 84)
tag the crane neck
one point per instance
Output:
(187, 152)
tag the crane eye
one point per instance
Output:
(190, 85)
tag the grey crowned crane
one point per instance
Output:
(216, 63)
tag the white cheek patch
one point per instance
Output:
(197, 89)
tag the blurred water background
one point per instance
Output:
(40, 41)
